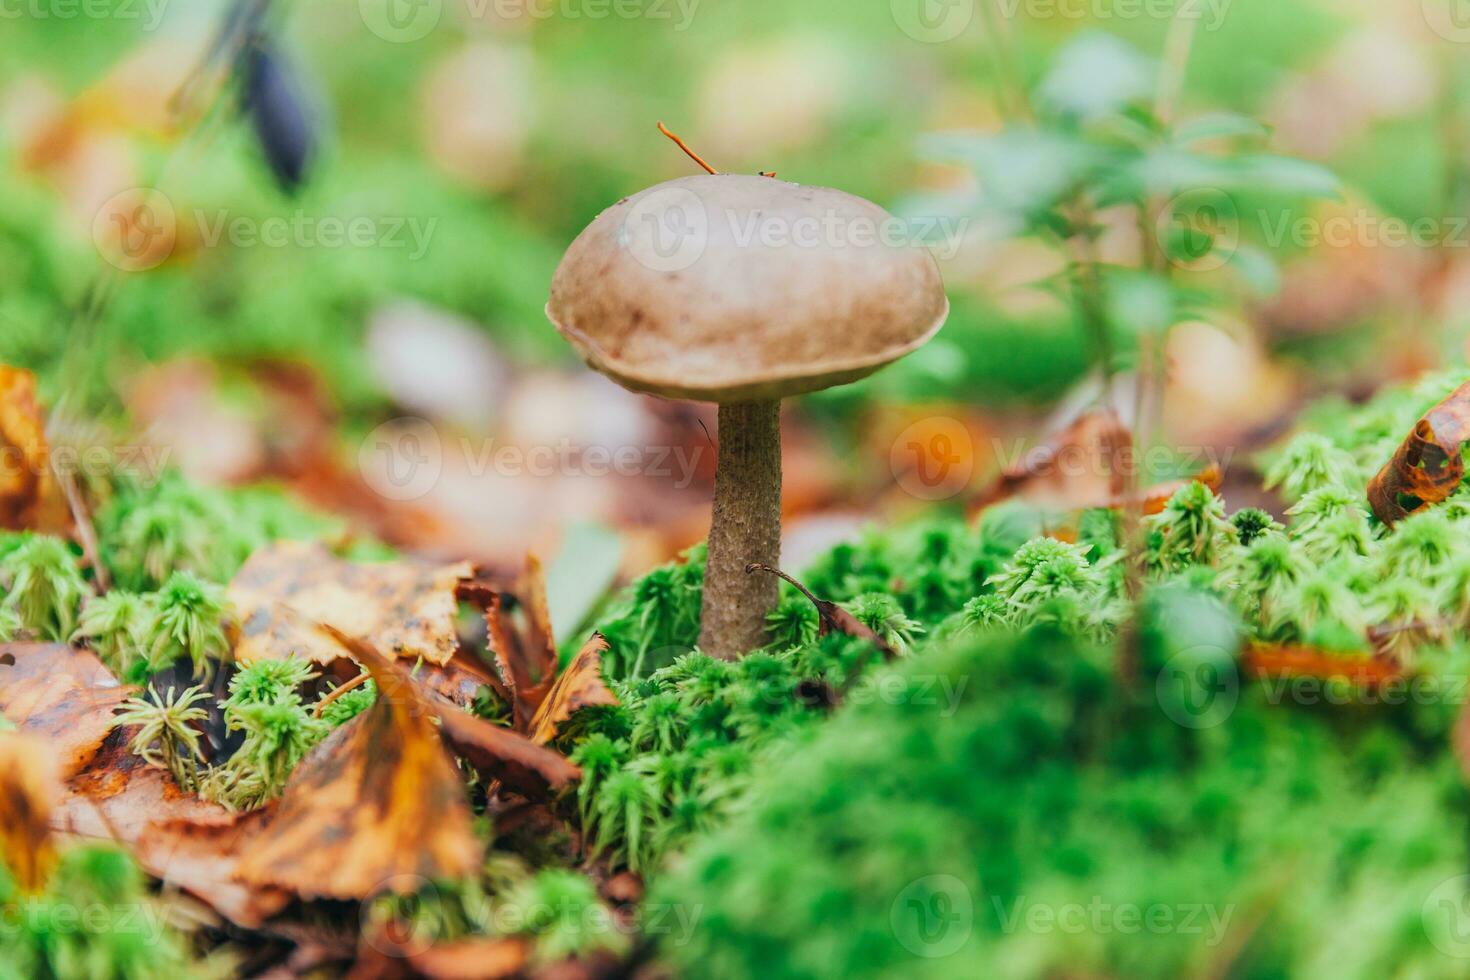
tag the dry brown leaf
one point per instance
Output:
(284, 591)
(377, 805)
(1427, 466)
(30, 497)
(523, 645)
(29, 788)
(118, 794)
(579, 686)
(200, 857)
(532, 770)
(62, 694)
(460, 680)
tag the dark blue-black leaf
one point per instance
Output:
(280, 111)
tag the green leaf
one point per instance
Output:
(1219, 125)
(1096, 74)
(581, 574)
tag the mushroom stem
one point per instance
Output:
(746, 528)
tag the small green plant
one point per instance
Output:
(190, 622)
(43, 586)
(1190, 530)
(118, 626)
(11, 625)
(1311, 462)
(265, 704)
(167, 736)
(1252, 522)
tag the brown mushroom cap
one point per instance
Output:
(731, 288)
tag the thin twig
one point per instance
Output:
(340, 690)
(756, 566)
(685, 147)
(86, 533)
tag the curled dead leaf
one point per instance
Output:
(1427, 467)
(531, 769)
(579, 686)
(520, 634)
(284, 591)
(28, 792)
(377, 805)
(30, 497)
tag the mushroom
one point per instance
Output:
(743, 290)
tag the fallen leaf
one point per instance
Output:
(459, 680)
(30, 497)
(524, 646)
(118, 795)
(832, 616)
(531, 769)
(1428, 466)
(377, 805)
(62, 694)
(28, 791)
(579, 686)
(1284, 660)
(285, 590)
(201, 856)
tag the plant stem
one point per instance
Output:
(745, 529)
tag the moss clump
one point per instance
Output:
(1020, 826)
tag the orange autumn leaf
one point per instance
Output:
(61, 694)
(1428, 465)
(1284, 660)
(579, 686)
(30, 497)
(28, 792)
(532, 770)
(376, 806)
(285, 590)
